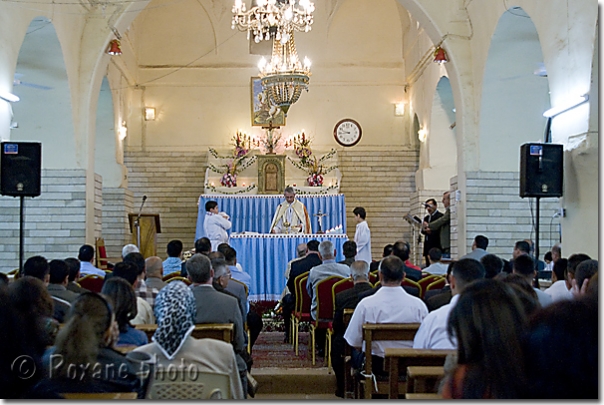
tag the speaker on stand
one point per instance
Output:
(20, 176)
(541, 175)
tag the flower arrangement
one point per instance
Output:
(315, 173)
(302, 147)
(238, 161)
(270, 141)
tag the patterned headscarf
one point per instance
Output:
(175, 311)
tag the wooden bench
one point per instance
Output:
(423, 379)
(423, 396)
(105, 396)
(375, 332)
(220, 331)
(399, 359)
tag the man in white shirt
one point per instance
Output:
(86, 258)
(362, 236)
(436, 267)
(525, 266)
(390, 304)
(216, 224)
(432, 333)
(558, 290)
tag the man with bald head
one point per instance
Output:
(155, 270)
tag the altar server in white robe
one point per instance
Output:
(362, 236)
(216, 225)
(291, 211)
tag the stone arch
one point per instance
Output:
(514, 95)
(41, 82)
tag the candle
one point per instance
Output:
(212, 184)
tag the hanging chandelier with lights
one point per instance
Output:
(272, 19)
(284, 77)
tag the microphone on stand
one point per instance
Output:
(137, 223)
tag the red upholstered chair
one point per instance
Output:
(325, 306)
(302, 309)
(410, 283)
(101, 255)
(170, 275)
(339, 286)
(373, 277)
(437, 284)
(92, 282)
(426, 280)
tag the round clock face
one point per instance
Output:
(347, 132)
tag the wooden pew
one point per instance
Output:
(220, 331)
(423, 379)
(381, 331)
(399, 359)
(423, 396)
(105, 396)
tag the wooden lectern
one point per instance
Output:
(150, 227)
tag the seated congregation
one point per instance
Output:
(478, 327)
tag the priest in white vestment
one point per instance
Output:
(292, 212)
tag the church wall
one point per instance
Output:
(172, 182)
(117, 204)
(54, 223)
(495, 210)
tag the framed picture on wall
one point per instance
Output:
(263, 113)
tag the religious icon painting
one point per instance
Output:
(263, 113)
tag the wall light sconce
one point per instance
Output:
(114, 44)
(149, 114)
(9, 97)
(122, 131)
(399, 109)
(422, 134)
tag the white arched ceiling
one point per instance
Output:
(438, 154)
(513, 97)
(173, 33)
(108, 151)
(44, 112)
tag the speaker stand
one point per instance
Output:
(21, 221)
(537, 244)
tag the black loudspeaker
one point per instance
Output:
(541, 170)
(20, 168)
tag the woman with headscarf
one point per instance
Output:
(173, 346)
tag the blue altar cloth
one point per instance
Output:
(265, 256)
(254, 213)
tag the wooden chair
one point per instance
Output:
(220, 331)
(205, 385)
(99, 396)
(171, 275)
(302, 309)
(179, 278)
(401, 358)
(424, 379)
(325, 308)
(92, 282)
(348, 370)
(375, 332)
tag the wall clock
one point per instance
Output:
(347, 132)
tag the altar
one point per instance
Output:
(254, 213)
(266, 257)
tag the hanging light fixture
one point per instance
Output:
(284, 77)
(114, 44)
(272, 19)
(440, 56)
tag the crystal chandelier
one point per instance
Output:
(284, 77)
(272, 19)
